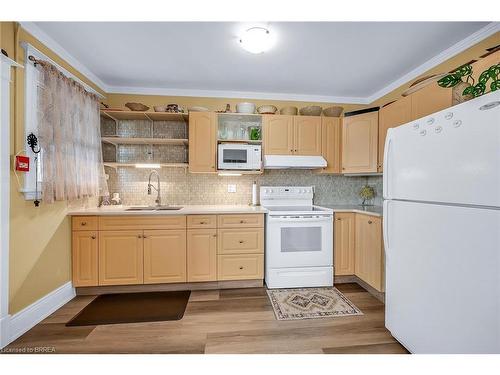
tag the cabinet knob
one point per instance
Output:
(215, 235)
(202, 222)
(242, 241)
(241, 267)
(338, 219)
(139, 236)
(242, 221)
(93, 237)
(84, 223)
(144, 237)
(369, 221)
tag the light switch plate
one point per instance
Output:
(231, 188)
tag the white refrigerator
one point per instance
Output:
(442, 229)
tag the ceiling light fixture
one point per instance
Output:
(256, 40)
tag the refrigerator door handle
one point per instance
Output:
(387, 164)
(385, 225)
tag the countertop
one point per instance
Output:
(368, 210)
(185, 210)
(213, 209)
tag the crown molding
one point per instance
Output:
(50, 43)
(235, 94)
(448, 53)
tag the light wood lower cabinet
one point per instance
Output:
(201, 255)
(84, 258)
(240, 267)
(369, 258)
(151, 250)
(164, 256)
(344, 243)
(120, 257)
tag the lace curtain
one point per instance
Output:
(70, 138)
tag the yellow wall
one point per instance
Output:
(40, 238)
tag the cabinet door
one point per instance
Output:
(164, 256)
(202, 142)
(84, 258)
(201, 255)
(278, 135)
(343, 250)
(359, 143)
(307, 135)
(430, 99)
(120, 257)
(330, 144)
(395, 114)
(368, 250)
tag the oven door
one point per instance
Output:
(299, 241)
(233, 158)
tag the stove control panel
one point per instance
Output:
(286, 192)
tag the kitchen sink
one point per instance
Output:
(154, 208)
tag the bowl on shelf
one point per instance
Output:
(198, 109)
(267, 110)
(160, 108)
(136, 107)
(420, 83)
(245, 107)
(334, 111)
(312, 110)
(290, 111)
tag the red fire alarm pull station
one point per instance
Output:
(22, 163)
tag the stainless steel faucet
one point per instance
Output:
(158, 197)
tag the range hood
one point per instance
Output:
(293, 162)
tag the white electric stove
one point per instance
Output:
(299, 238)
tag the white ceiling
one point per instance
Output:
(330, 60)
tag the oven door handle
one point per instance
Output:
(299, 219)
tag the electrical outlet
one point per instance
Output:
(231, 188)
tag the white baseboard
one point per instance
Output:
(22, 321)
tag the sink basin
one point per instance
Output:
(154, 208)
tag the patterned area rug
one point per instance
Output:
(310, 303)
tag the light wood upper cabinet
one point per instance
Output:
(164, 256)
(278, 135)
(430, 99)
(201, 255)
(202, 142)
(344, 238)
(331, 144)
(307, 135)
(120, 257)
(85, 258)
(390, 116)
(359, 143)
(369, 259)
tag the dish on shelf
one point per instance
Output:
(198, 109)
(136, 107)
(160, 108)
(290, 111)
(267, 110)
(312, 110)
(423, 82)
(245, 107)
(334, 111)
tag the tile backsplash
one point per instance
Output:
(179, 187)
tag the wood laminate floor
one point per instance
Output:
(221, 321)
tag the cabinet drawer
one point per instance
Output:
(141, 222)
(240, 267)
(241, 221)
(240, 241)
(84, 222)
(202, 221)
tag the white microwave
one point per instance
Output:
(239, 156)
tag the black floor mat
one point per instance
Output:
(133, 308)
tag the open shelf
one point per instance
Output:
(166, 165)
(139, 115)
(143, 141)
